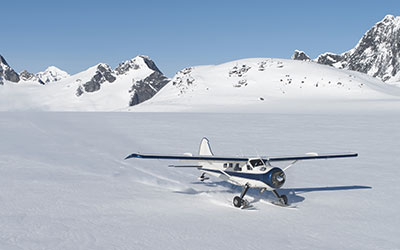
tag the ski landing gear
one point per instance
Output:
(239, 201)
(203, 177)
(283, 200)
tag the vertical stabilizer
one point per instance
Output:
(205, 148)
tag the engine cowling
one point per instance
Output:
(276, 178)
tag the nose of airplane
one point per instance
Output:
(276, 178)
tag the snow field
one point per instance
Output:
(64, 183)
(271, 85)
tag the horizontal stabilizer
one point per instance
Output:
(185, 166)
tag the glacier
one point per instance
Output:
(65, 183)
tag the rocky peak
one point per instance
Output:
(52, 74)
(330, 59)
(376, 54)
(300, 55)
(3, 61)
(27, 76)
(103, 73)
(150, 63)
(6, 72)
(378, 51)
(137, 63)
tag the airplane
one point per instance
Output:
(247, 172)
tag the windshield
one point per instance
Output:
(256, 162)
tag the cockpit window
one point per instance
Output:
(256, 162)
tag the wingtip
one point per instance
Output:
(134, 155)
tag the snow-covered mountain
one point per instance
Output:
(256, 84)
(376, 54)
(27, 76)
(146, 78)
(261, 84)
(97, 88)
(6, 72)
(52, 74)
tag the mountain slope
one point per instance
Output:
(6, 72)
(257, 83)
(376, 54)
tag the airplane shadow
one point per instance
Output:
(293, 194)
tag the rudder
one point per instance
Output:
(205, 148)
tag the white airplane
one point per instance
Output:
(247, 172)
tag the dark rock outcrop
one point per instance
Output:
(3, 61)
(135, 64)
(6, 72)
(150, 63)
(79, 91)
(145, 89)
(104, 73)
(330, 59)
(26, 76)
(300, 55)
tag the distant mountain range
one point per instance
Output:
(130, 83)
(244, 81)
(376, 54)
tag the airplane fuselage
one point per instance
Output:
(256, 176)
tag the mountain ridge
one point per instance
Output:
(377, 53)
(99, 87)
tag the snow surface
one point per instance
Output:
(65, 185)
(272, 85)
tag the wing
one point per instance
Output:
(312, 156)
(188, 157)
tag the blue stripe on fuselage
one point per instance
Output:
(258, 177)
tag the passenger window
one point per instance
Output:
(248, 167)
(230, 165)
(237, 167)
(225, 165)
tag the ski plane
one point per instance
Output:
(247, 172)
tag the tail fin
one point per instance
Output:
(205, 148)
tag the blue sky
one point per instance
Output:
(74, 35)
